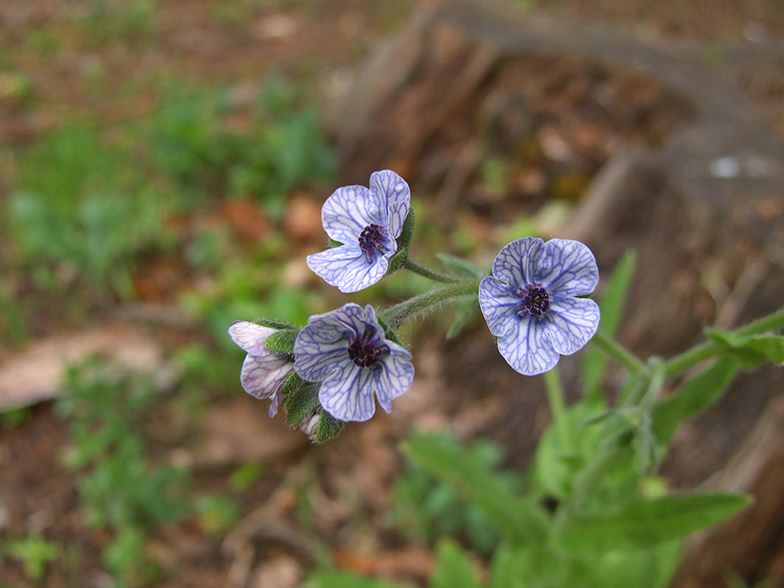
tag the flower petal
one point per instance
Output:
(347, 268)
(567, 268)
(499, 306)
(347, 394)
(350, 209)
(250, 336)
(263, 376)
(516, 262)
(528, 349)
(398, 197)
(395, 377)
(571, 323)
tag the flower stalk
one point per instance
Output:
(427, 272)
(395, 316)
(555, 394)
(619, 353)
(688, 359)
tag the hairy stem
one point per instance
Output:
(688, 359)
(427, 272)
(619, 353)
(396, 315)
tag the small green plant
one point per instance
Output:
(35, 553)
(74, 204)
(282, 148)
(120, 489)
(217, 513)
(428, 508)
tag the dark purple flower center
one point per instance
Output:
(366, 350)
(535, 301)
(373, 241)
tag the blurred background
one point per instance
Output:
(162, 169)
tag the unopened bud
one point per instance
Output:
(309, 425)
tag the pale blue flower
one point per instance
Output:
(530, 301)
(347, 351)
(367, 222)
(264, 371)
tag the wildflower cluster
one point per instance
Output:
(335, 369)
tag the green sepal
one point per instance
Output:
(302, 402)
(333, 243)
(407, 232)
(460, 268)
(466, 313)
(397, 261)
(390, 333)
(273, 323)
(328, 428)
(282, 342)
(292, 384)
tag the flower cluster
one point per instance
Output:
(337, 367)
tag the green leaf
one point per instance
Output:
(453, 568)
(466, 312)
(333, 243)
(349, 580)
(273, 323)
(612, 305)
(643, 524)
(693, 397)
(301, 403)
(407, 232)
(511, 568)
(519, 520)
(460, 268)
(329, 427)
(282, 341)
(751, 350)
(648, 568)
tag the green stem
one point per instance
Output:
(688, 359)
(619, 353)
(430, 274)
(395, 316)
(552, 380)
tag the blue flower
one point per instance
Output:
(346, 350)
(264, 371)
(367, 223)
(530, 301)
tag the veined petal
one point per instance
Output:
(392, 186)
(347, 394)
(499, 306)
(262, 376)
(323, 344)
(314, 358)
(347, 268)
(567, 268)
(395, 377)
(350, 209)
(249, 336)
(528, 349)
(571, 323)
(516, 262)
(398, 197)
